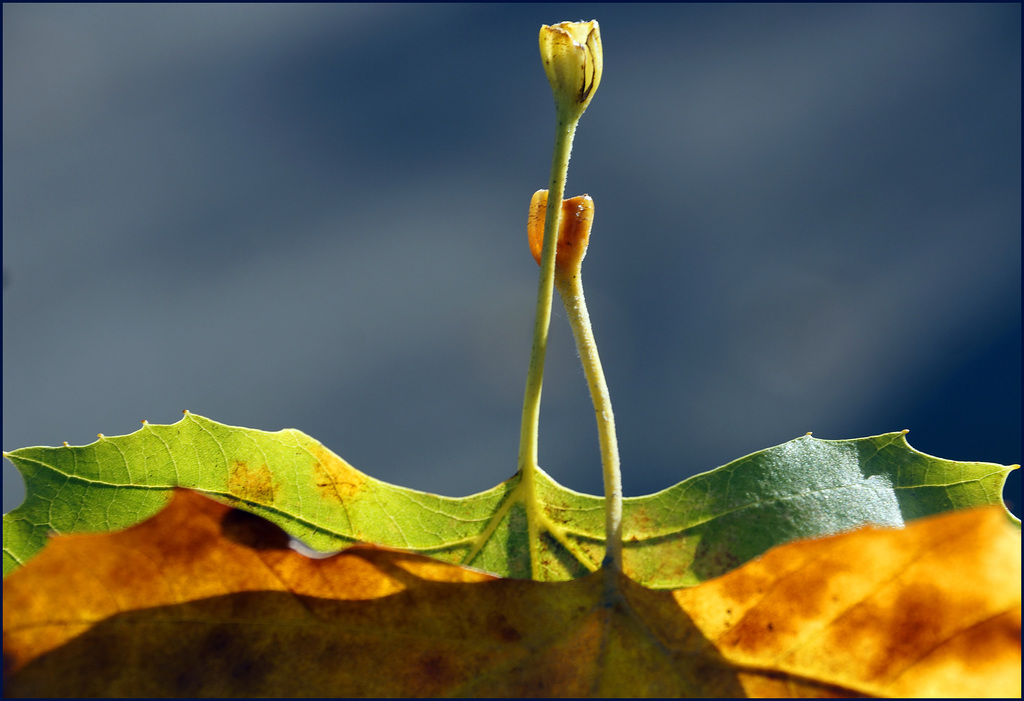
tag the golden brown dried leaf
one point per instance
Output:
(204, 600)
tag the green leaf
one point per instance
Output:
(700, 528)
(806, 488)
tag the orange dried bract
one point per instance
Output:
(574, 228)
(535, 223)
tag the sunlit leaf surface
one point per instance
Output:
(696, 530)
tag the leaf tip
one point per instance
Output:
(100, 436)
(186, 412)
(145, 423)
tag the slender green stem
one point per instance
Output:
(570, 287)
(528, 434)
(542, 321)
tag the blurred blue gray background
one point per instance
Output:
(313, 216)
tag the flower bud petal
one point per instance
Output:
(573, 59)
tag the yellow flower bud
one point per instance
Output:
(573, 60)
(574, 230)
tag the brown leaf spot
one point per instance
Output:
(639, 522)
(252, 531)
(434, 669)
(334, 478)
(714, 558)
(253, 484)
(499, 625)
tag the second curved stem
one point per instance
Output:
(570, 287)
